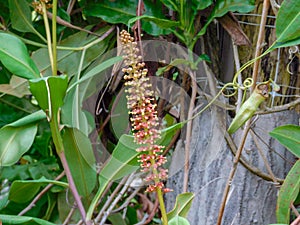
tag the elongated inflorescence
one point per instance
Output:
(143, 114)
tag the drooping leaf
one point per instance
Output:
(14, 56)
(20, 15)
(49, 92)
(288, 21)
(182, 205)
(288, 193)
(293, 42)
(81, 160)
(289, 137)
(22, 191)
(16, 138)
(17, 87)
(68, 60)
(13, 219)
(222, 7)
(178, 220)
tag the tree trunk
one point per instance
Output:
(252, 200)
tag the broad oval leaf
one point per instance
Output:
(81, 160)
(289, 137)
(288, 21)
(14, 56)
(178, 220)
(16, 138)
(288, 193)
(13, 219)
(22, 191)
(182, 205)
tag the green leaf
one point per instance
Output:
(96, 70)
(13, 219)
(162, 23)
(49, 92)
(68, 60)
(31, 118)
(178, 220)
(14, 56)
(293, 42)
(199, 5)
(20, 15)
(16, 138)
(288, 21)
(22, 191)
(289, 137)
(116, 219)
(288, 193)
(116, 12)
(81, 160)
(182, 205)
(222, 7)
(171, 4)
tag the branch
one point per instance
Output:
(47, 188)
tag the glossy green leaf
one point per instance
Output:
(16, 138)
(288, 21)
(20, 15)
(222, 7)
(14, 56)
(49, 92)
(288, 193)
(182, 205)
(13, 219)
(17, 87)
(22, 191)
(68, 60)
(178, 220)
(116, 12)
(81, 160)
(289, 137)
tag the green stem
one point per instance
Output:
(48, 33)
(58, 142)
(54, 12)
(162, 206)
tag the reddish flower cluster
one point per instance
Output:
(143, 113)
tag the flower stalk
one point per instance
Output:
(144, 120)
